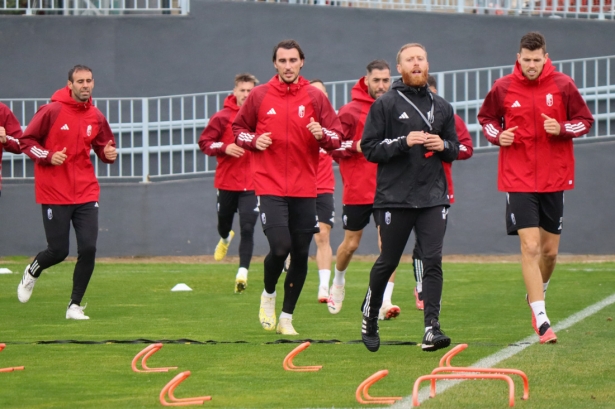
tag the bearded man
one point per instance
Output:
(409, 132)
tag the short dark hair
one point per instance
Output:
(377, 65)
(316, 80)
(245, 77)
(431, 82)
(533, 41)
(288, 45)
(76, 68)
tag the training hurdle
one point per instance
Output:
(288, 361)
(146, 353)
(10, 369)
(169, 389)
(363, 396)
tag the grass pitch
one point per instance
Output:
(483, 306)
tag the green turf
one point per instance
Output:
(483, 305)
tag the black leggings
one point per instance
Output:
(245, 204)
(429, 225)
(56, 221)
(281, 243)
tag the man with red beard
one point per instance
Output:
(285, 122)
(358, 176)
(409, 132)
(233, 179)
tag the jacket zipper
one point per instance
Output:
(287, 142)
(535, 141)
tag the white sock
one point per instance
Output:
(227, 240)
(325, 276)
(538, 307)
(544, 288)
(266, 294)
(285, 315)
(388, 292)
(339, 277)
(419, 287)
(242, 272)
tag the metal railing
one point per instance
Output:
(158, 137)
(94, 7)
(594, 9)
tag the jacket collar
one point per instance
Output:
(359, 92)
(64, 95)
(547, 71)
(399, 85)
(230, 102)
(284, 88)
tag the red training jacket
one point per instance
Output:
(325, 180)
(78, 127)
(358, 174)
(536, 161)
(288, 166)
(234, 174)
(466, 149)
(13, 132)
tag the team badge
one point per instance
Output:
(345, 220)
(549, 100)
(387, 217)
(301, 111)
(263, 218)
(89, 130)
(49, 214)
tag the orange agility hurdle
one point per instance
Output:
(11, 369)
(511, 385)
(288, 361)
(446, 358)
(363, 396)
(169, 389)
(146, 353)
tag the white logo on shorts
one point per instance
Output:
(263, 218)
(444, 213)
(316, 221)
(345, 220)
(49, 214)
(512, 218)
(387, 217)
(561, 223)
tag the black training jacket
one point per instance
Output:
(407, 178)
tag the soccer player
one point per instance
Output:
(409, 132)
(325, 209)
(285, 122)
(10, 132)
(359, 178)
(532, 115)
(59, 139)
(233, 178)
(465, 152)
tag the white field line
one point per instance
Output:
(508, 352)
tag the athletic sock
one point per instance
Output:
(266, 294)
(419, 287)
(242, 272)
(325, 276)
(544, 288)
(388, 292)
(286, 315)
(539, 310)
(339, 279)
(226, 240)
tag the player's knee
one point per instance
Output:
(530, 248)
(87, 251)
(247, 230)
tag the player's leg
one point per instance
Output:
(388, 309)
(248, 214)
(226, 208)
(325, 209)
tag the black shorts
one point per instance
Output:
(356, 217)
(325, 208)
(545, 210)
(296, 213)
(242, 202)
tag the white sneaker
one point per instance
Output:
(75, 312)
(285, 327)
(388, 311)
(266, 314)
(334, 303)
(323, 294)
(241, 282)
(25, 287)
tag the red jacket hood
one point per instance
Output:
(64, 95)
(231, 103)
(359, 92)
(547, 71)
(283, 87)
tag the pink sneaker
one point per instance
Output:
(419, 301)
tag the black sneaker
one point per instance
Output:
(435, 339)
(369, 333)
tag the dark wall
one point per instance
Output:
(135, 56)
(179, 218)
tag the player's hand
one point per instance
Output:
(507, 137)
(110, 151)
(59, 157)
(433, 142)
(263, 141)
(2, 135)
(359, 146)
(551, 125)
(315, 128)
(416, 138)
(234, 151)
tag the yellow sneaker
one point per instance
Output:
(241, 282)
(266, 314)
(285, 327)
(222, 247)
